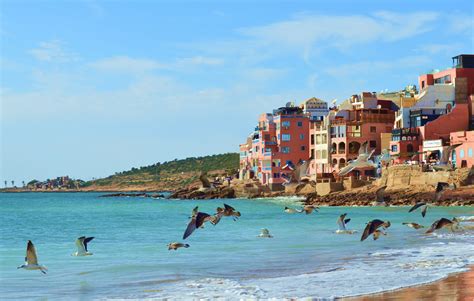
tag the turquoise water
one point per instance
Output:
(131, 260)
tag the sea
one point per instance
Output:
(304, 259)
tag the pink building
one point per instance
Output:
(350, 129)
(280, 141)
(463, 155)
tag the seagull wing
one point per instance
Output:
(441, 186)
(229, 208)
(340, 223)
(347, 169)
(201, 218)
(423, 211)
(380, 193)
(417, 205)
(190, 229)
(366, 232)
(31, 257)
(81, 248)
(204, 181)
(363, 149)
(346, 221)
(86, 241)
(433, 227)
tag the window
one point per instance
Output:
(301, 136)
(469, 152)
(394, 148)
(318, 154)
(285, 149)
(312, 154)
(267, 137)
(312, 139)
(461, 153)
(410, 148)
(285, 124)
(285, 137)
(300, 123)
(373, 143)
(324, 154)
(303, 147)
(373, 129)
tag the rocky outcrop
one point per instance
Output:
(463, 196)
(196, 193)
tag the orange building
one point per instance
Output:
(463, 155)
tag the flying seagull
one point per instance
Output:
(441, 188)
(444, 162)
(423, 205)
(205, 181)
(413, 225)
(372, 226)
(342, 221)
(443, 223)
(176, 245)
(265, 233)
(228, 211)
(361, 161)
(31, 260)
(309, 209)
(81, 244)
(292, 210)
(195, 222)
(381, 199)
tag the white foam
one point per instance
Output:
(364, 274)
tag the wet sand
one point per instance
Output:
(459, 287)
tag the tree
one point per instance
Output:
(23, 182)
(5, 183)
(13, 183)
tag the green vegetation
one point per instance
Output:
(176, 172)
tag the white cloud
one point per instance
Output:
(199, 60)
(53, 51)
(126, 64)
(306, 32)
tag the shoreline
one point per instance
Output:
(455, 286)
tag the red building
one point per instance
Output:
(280, 141)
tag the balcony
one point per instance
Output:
(267, 154)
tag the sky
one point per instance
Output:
(90, 88)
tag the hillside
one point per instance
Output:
(167, 175)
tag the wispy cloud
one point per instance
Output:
(126, 64)
(53, 51)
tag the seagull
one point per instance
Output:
(195, 222)
(176, 245)
(381, 199)
(441, 187)
(342, 222)
(194, 212)
(81, 244)
(361, 161)
(309, 209)
(265, 233)
(413, 225)
(442, 223)
(204, 180)
(372, 226)
(216, 218)
(444, 162)
(291, 210)
(418, 205)
(228, 211)
(31, 260)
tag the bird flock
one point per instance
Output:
(376, 227)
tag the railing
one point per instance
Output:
(266, 154)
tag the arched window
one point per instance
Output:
(342, 148)
(469, 152)
(354, 147)
(334, 162)
(334, 148)
(461, 153)
(342, 162)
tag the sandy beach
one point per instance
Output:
(459, 286)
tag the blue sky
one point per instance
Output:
(89, 88)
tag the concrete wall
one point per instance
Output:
(326, 188)
(401, 176)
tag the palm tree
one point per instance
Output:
(5, 183)
(13, 183)
(23, 182)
